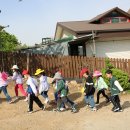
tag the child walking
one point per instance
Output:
(32, 91)
(101, 86)
(62, 93)
(44, 85)
(17, 77)
(89, 89)
(115, 89)
(3, 86)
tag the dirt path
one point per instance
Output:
(15, 117)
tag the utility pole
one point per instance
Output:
(94, 46)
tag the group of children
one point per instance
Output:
(61, 89)
(101, 86)
(34, 89)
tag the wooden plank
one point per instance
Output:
(71, 67)
(120, 64)
(62, 66)
(129, 67)
(67, 66)
(73, 63)
(80, 65)
(76, 67)
(63, 59)
(117, 64)
(125, 65)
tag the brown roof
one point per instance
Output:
(84, 26)
(107, 12)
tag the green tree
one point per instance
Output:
(8, 42)
(21, 46)
(121, 76)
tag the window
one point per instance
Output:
(123, 19)
(106, 20)
(115, 20)
(80, 50)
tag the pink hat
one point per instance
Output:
(4, 75)
(97, 73)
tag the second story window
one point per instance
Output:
(123, 19)
(115, 20)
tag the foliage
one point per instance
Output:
(121, 76)
(108, 64)
(8, 42)
(20, 46)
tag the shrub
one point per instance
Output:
(121, 76)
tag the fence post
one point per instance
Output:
(129, 67)
(28, 61)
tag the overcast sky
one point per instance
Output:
(31, 20)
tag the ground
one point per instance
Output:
(15, 117)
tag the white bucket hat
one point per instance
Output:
(58, 76)
(15, 67)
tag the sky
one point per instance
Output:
(32, 20)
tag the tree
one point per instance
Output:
(122, 77)
(8, 42)
(21, 46)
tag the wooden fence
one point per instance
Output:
(69, 65)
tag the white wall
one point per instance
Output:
(112, 49)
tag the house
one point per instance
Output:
(48, 47)
(106, 35)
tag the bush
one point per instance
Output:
(121, 76)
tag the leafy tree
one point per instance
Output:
(8, 42)
(121, 76)
(21, 46)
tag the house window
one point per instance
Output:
(115, 20)
(106, 20)
(123, 19)
(80, 50)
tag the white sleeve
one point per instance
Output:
(118, 85)
(33, 86)
(40, 88)
(14, 77)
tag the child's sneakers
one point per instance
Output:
(89, 106)
(97, 103)
(43, 108)
(47, 101)
(62, 109)
(26, 99)
(10, 101)
(117, 110)
(74, 110)
(16, 98)
(120, 110)
(30, 112)
(94, 109)
(57, 110)
(108, 101)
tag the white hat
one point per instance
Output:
(58, 76)
(15, 67)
